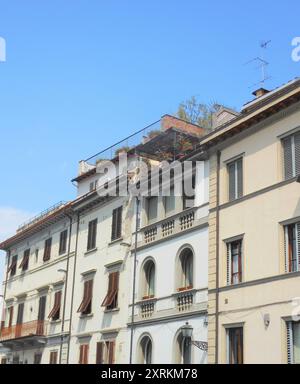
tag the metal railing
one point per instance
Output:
(40, 216)
(32, 328)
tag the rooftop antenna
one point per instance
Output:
(263, 64)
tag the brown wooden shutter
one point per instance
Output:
(116, 231)
(99, 353)
(47, 250)
(87, 297)
(63, 242)
(111, 352)
(25, 260)
(53, 357)
(92, 234)
(113, 286)
(11, 316)
(83, 355)
(13, 265)
(56, 307)
(20, 313)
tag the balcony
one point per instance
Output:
(179, 223)
(33, 332)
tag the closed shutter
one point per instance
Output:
(229, 264)
(20, 313)
(297, 153)
(289, 329)
(111, 352)
(239, 178)
(288, 158)
(286, 252)
(231, 181)
(99, 353)
(53, 357)
(63, 242)
(116, 230)
(92, 235)
(83, 354)
(298, 243)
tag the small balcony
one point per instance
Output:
(18, 334)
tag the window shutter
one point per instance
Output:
(239, 178)
(119, 222)
(228, 264)
(297, 153)
(99, 353)
(231, 181)
(286, 253)
(111, 352)
(116, 229)
(113, 286)
(47, 250)
(288, 158)
(20, 313)
(92, 233)
(298, 243)
(289, 339)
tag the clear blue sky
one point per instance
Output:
(81, 74)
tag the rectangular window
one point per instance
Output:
(3, 361)
(47, 250)
(152, 207)
(85, 307)
(37, 358)
(55, 312)
(16, 359)
(235, 179)
(235, 345)
(63, 242)
(13, 266)
(105, 352)
(189, 201)
(10, 316)
(84, 354)
(293, 341)
(292, 247)
(170, 202)
(291, 155)
(111, 298)
(25, 261)
(53, 357)
(92, 235)
(234, 263)
(116, 230)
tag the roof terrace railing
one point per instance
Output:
(126, 144)
(41, 215)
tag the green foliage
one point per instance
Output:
(197, 113)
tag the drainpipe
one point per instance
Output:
(65, 293)
(73, 287)
(217, 257)
(134, 275)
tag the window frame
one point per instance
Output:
(237, 194)
(229, 263)
(229, 337)
(116, 225)
(47, 250)
(92, 235)
(63, 241)
(295, 247)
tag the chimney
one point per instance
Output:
(260, 92)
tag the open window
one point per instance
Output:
(105, 352)
(148, 280)
(111, 298)
(85, 307)
(185, 270)
(55, 312)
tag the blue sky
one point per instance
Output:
(80, 75)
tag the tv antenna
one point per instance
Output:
(263, 63)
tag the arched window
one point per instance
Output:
(145, 353)
(183, 350)
(148, 280)
(185, 273)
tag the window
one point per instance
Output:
(85, 307)
(3, 361)
(25, 262)
(170, 202)
(41, 315)
(234, 263)
(189, 201)
(84, 354)
(47, 250)
(149, 280)
(63, 242)
(36, 253)
(183, 350)
(293, 341)
(145, 350)
(37, 358)
(291, 155)
(235, 175)
(105, 352)
(292, 247)
(10, 311)
(152, 205)
(92, 235)
(235, 345)
(53, 357)
(116, 230)
(111, 298)
(20, 314)
(13, 266)
(55, 312)
(16, 359)
(185, 270)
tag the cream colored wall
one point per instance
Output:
(258, 219)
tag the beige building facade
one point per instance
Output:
(254, 239)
